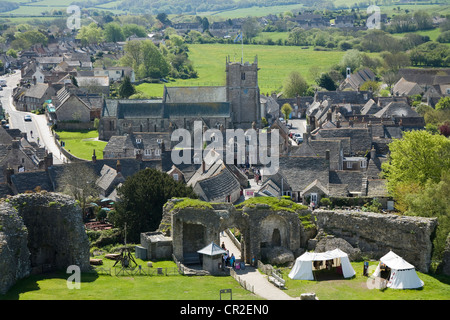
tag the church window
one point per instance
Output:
(243, 76)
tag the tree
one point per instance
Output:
(294, 85)
(91, 34)
(79, 181)
(443, 104)
(325, 81)
(286, 110)
(142, 197)
(432, 200)
(113, 32)
(126, 88)
(250, 28)
(416, 158)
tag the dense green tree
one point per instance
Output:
(142, 197)
(91, 34)
(325, 81)
(126, 88)
(286, 110)
(294, 85)
(113, 32)
(416, 158)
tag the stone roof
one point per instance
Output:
(396, 109)
(406, 88)
(353, 180)
(358, 78)
(340, 97)
(371, 107)
(37, 90)
(360, 138)
(302, 171)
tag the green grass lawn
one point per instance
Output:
(275, 63)
(112, 287)
(179, 287)
(82, 143)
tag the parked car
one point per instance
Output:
(299, 140)
(27, 118)
(297, 135)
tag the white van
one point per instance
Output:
(3, 83)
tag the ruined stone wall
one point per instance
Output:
(40, 232)
(14, 254)
(375, 234)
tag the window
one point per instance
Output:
(138, 140)
(157, 152)
(314, 198)
(148, 152)
(175, 176)
(243, 76)
(363, 163)
(349, 165)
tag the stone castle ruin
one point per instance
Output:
(268, 233)
(40, 232)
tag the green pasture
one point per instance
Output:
(82, 143)
(275, 64)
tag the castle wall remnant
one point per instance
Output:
(262, 228)
(40, 232)
(375, 233)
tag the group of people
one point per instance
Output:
(228, 261)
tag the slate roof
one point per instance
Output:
(195, 94)
(215, 183)
(337, 97)
(301, 171)
(123, 109)
(358, 78)
(371, 107)
(396, 109)
(353, 179)
(360, 138)
(406, 88)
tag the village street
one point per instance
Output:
(37, 130)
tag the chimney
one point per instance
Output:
(118, 166)
(9, 173)
(48, 161)
(329, 115)
(139, 156)
(373, 153)
(203, 166)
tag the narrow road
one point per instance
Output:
(37, 130)
(261, 285)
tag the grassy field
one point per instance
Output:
(178, 287)
(111, 287)
(81, 144)
(275, 63)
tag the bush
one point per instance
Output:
(325, 202)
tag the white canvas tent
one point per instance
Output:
(403, 274)
(303, 267)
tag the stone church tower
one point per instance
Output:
(243, 93)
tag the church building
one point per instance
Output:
(235, 105)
